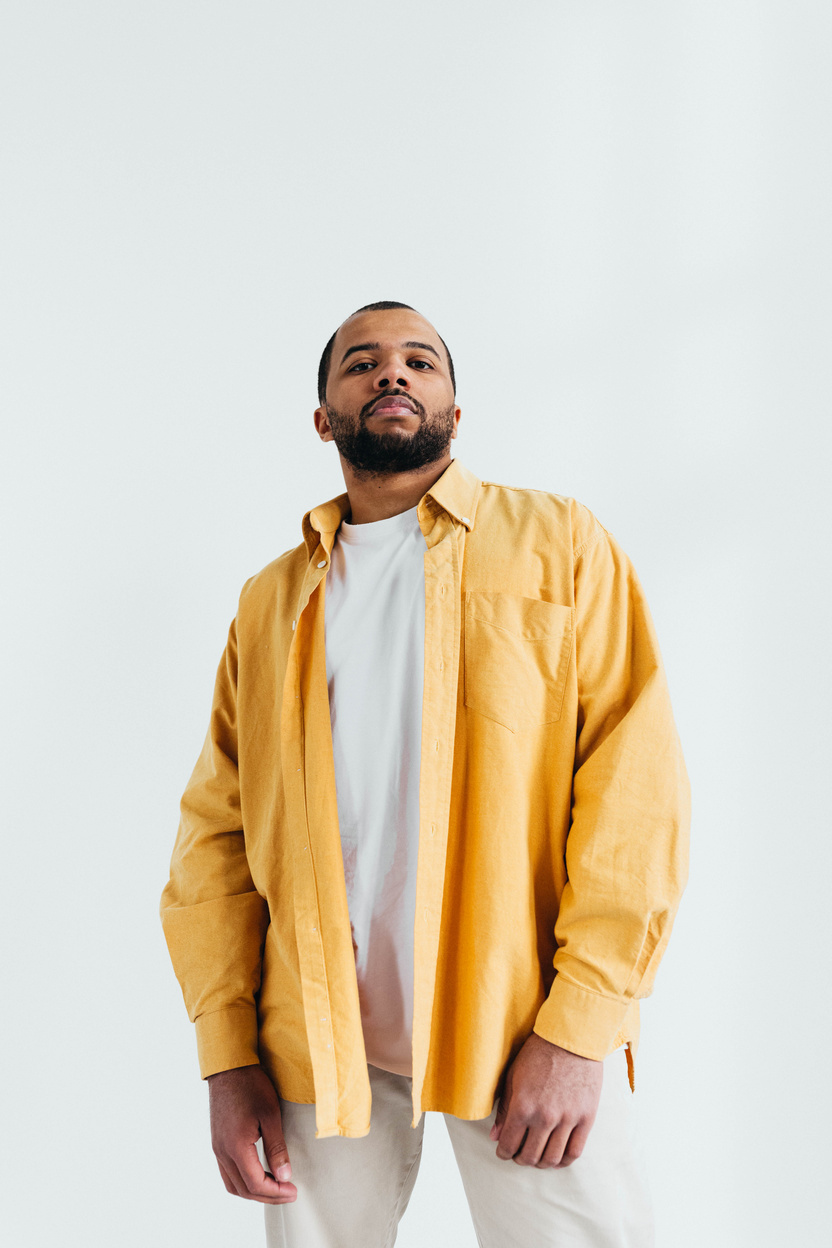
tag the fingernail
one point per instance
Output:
(284, 1172)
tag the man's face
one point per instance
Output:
(389, 399)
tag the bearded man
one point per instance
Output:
(431, 852)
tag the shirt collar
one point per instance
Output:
(456, 492)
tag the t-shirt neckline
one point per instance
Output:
(374, 532)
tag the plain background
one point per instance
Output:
(618, 216)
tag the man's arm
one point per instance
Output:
(213, 918)
(626, 861)
(215, 922)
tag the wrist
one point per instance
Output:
(232, 1072)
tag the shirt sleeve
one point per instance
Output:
(627, 846)
(213, 917)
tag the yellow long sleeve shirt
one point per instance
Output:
(554, 810)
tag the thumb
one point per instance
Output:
(494, 1133)
(275, 1150)
(502, 1108)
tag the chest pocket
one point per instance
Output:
(517, 654)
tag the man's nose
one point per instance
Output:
(392, 374)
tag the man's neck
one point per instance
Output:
(379, 497)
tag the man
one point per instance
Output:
(430, 855)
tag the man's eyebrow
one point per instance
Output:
(362, 346)
(425, 347)
(376, 346)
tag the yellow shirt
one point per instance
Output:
(554, 814)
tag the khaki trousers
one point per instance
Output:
(352, 1193)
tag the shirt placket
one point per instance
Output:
(308, 926)
(442, 647)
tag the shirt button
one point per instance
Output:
(441, 667)
(322, 564)
(294, 622)
(466, 519)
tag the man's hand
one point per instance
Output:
(553, 1094)
(244, 1106)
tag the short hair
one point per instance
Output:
(379, 306)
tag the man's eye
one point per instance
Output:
(362, 364)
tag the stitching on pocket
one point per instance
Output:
(496, 703)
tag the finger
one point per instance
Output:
(259, 1184)
(503, 1097)
(289, 1191)
(274, 1148)
(230, 1171)
(554, 1149)
(533, 1146)
(229, 1186)
(512, 1135)
(497, 1125)
(575, 1145)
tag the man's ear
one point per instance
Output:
(457, 416)
(322, 425)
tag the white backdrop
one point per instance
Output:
(618, 217)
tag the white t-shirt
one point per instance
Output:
(375, 646)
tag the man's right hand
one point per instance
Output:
(244, 1106)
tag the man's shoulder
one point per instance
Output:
(276, 577)
(561, 513)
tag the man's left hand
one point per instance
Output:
(550, 1097)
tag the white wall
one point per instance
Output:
(617, 215)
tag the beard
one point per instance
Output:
(394, 450)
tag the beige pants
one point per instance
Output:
(353, 1192)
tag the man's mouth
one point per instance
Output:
(394, 404)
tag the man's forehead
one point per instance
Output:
(390, 326)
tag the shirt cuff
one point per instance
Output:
(226, 1039)
(581, 1021)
